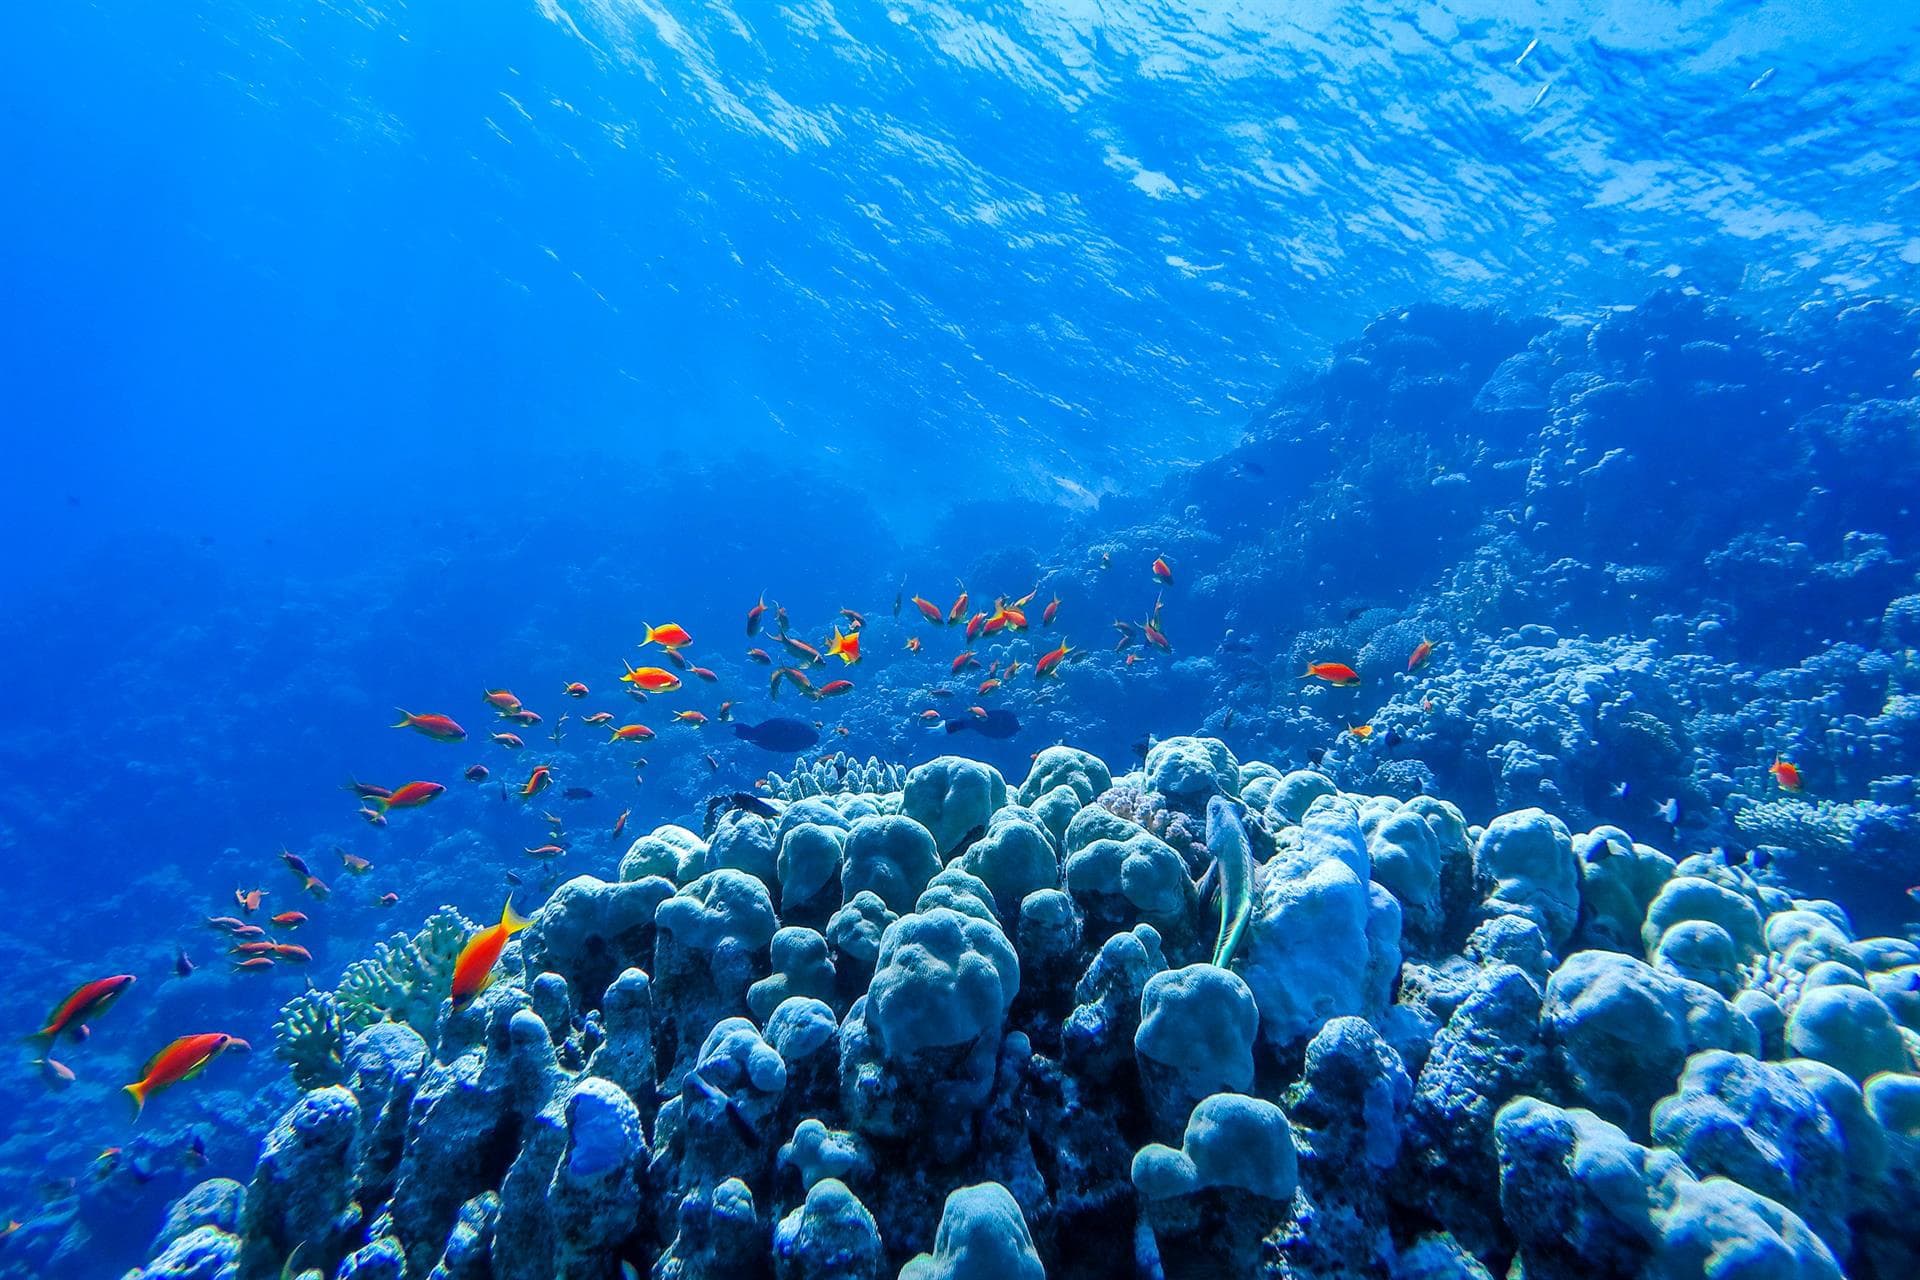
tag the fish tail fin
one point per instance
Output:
(512, 921)
(406, 717)
(138, 1092)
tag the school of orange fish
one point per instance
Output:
(257, 948)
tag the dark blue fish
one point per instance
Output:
(778, 734)
(998, 723)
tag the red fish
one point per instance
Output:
(182, 1060)
(1156, 637)
(1421, 652)
(846, 648)
(631, 733)
(690, 717)
(88, 1000)
(725, 713)
(290, 919)
(598, 717)
(249, 899)
(1126, 634)
(473, 970)
(1049, 662)
(289, 951)
(227, 923)
(834, 688)
(855, 619)
(1048, 614)
(987, 686)
(575, 690)
(931, 716)
(753, 615)
(652, 679)
(354, 863)
(501, 701)
(539, 780)
(373, 816)
(1337, 674)
(525, 718)
(511, 741)
(671, 636)
(801, 649)
(797, 676)
(546, 852)
(255, 963)
(412, 796)
(962, 662)
(981, 712)
(760, 656)
(928, 609)
(974, 626)
(705, 673)
(1161, 573)
(1012, 667)
(439, 728)
(248, 931)
(1786, 773)
(959, 609)
(620, 823)
(389, 899)
(913, 644)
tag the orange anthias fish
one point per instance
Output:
(631, 733)
(474, 968)
(928, 609)
(1156, 637)
(690, 717)
(834, 688)
(672, 636)
(846, 648)
(1161, 572)
(411, 796)
(354, 863)
(753, 615)
(959, 609)
(705, 673)
(913, 644)
(855, 619)
(1421, 652)
(1786, 773)
(964, 661)
(184, 1059)
(760, 656)
(620, 823)
(526, 717)
(539, 780)
(575, 690)
(987, 686)
(930, 716)
(290, 919)
(502, 701)
(598, 717)
(511, 741)
(1048, 614)
(249, 899)
(801, 649)
(88, 1000)
(974, 625)
(1337, 674)
(1048, 663)
(1360, 730)
(439, 728)
(652, 679)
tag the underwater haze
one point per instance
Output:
(948, 640)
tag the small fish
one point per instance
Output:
(539, 780)
(940, 693)
(525, 718)
(575, 689)
(724, 713)
(695, 718)
(842, 730)
(249, 899)
(354, 863)
(293, 952)
(980, 712)
(845, 647)
(631, 733)
(1361, 731)
(620, 823)
(913, 644)
(290, 919)
(1786, 773)
(366, 790)
(705, 673)
(248, 931)
(899, 598)
(987, 686)
(713, 761)
(974, 624)
(780, 618)
(834, 688)
(183, 964)
(1052, 611)
(501, 701)
(1337, 674)
(252, 947)
(1126, 634)
(801, 649)
(389, 899)
(411, 796)
(1106, 561)
(598, 717)
(674, 656)
(963, 661)
(1131, 659)
(476, 773)
(753, 615)
(1156, 637)
(928, 609)
(511, 741)
(253, 964)
(652, 679)
(295, 863)
(855, 619)
(182, 1060)
(760, 656)
(670, 636)
(1670, 812)
(1531, 46)
(473, 968)
(225, 923)
(1048, 663)
(959, 609)
(546, 852)
(577, 793)
(1762, 79)
(930, 717)
(1421, 652)
(1012, 667)
(439, 728)
(58, 1075)
(1162, 574)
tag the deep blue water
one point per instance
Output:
(359, 357)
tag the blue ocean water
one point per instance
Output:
(363, 357)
